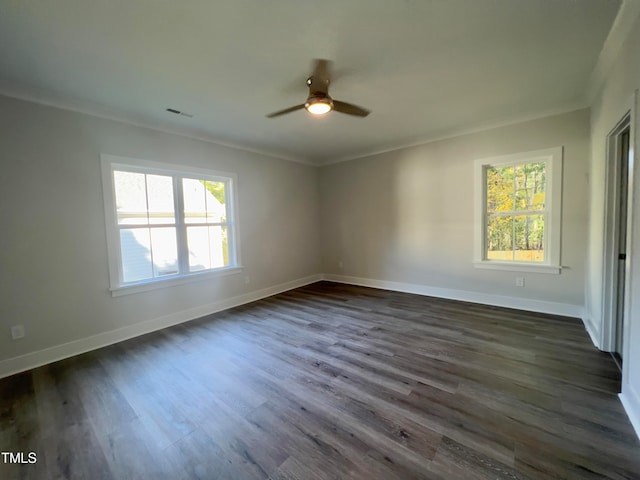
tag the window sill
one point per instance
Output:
(172, 281)
(518, 267)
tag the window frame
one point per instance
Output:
(553, 211)
(117, 287)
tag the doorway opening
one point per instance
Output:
(623, 160)
(617, 240)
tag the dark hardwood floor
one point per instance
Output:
(330, 382)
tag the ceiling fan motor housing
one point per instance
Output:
(318, 101)
(318, 85)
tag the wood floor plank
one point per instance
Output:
(330, 381)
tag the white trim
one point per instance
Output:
(460, 132)
(629, 396)
(42, 357)
(634, 181)
(552, 212)
(592, 330)
(620, 30)
(630, 400)
(145, 166)
(117, 116)
(109, 163)
(164, 282)
(517, 266)
(610, 263)
(631, 403)
(519, 303)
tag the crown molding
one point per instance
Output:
(109, 114)
(620, 30)
(454, 133)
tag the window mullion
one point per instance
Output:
(181, 228)
(486, 215)
(206, 220)
(546, 239)
(146, 198)
(132, 183)
(513, 217)
(513, 237)
(538, 215)
(229, 210)
(128, 226)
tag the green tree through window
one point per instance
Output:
(515, 212)
(218, 191)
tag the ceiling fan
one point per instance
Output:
(319, 102)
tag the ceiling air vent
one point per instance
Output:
(178, 112)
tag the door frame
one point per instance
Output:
(611, 235)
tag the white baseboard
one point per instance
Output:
(42, 357)
(465, 296)
(591, 329)
(631, 403)
(76, 347)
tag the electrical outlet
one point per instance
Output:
(17, 331)
(340, 264)
(519, 281)
(247, 280)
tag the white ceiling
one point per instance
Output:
(426, 68)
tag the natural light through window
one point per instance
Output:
(205, 215)
(515, 212)
(168, 222)
(518, 211)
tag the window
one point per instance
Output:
(518, 211)
(167, 224)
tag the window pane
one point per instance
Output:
(218, 246)
(530, 186)
(500, 189)
(135, 246)
(216, 210)
(529, 234)
(195, 208)
(160, 199)
(165, 251)
(131, 198)
(499, 238)
(198, 244)
(208, 247)
(538, 179)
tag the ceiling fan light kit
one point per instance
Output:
(318, 101)
(319, 105)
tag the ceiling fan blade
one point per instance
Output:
(350, 109)
(321, 68)
(320, 76)
(286, 110)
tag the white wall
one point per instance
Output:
(622, 80)
(403, 217)
(53, 254)
(407, 216)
